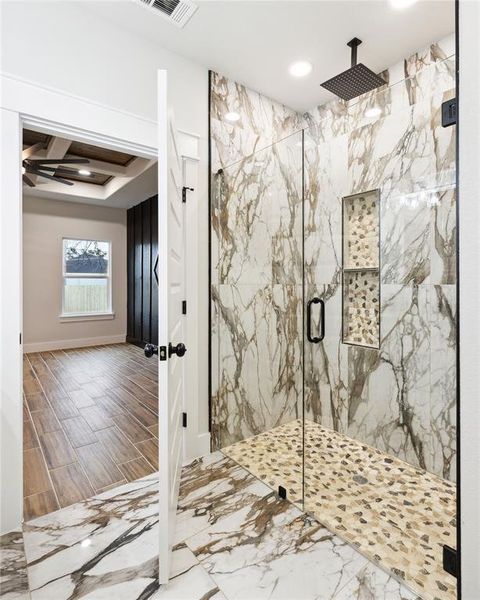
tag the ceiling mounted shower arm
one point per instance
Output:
(353, 44)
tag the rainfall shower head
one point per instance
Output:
(355, 81)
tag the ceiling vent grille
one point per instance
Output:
(178, 12)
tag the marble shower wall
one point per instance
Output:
(256, 264)
(401, 397)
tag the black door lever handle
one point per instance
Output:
(150, 350)
(179, 349)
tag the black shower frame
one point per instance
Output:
(457, 288)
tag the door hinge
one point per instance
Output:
(184, 307)
(20, 338)
(186, 189)
(450, 560)
(282, 492)
(449, 113)
(162, 353)
(184, 419)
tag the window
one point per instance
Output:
(86, 278)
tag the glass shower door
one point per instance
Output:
(257, 318)
(380, 345)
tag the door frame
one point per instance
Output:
(28, 104)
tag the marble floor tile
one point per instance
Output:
(239, 541)
(13, 567)
(211, 488)
(105, 547)
(371, 583)
(255, 546)
(188, 580)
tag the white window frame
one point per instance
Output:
(87, 316)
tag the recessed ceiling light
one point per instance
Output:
(300, 68)
(84, 172)
(401, 4)
(232, 116)
(373, 112)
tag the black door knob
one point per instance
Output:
(150, 350)
(179, 349)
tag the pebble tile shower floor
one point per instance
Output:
(395, 514)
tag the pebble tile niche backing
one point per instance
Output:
(361, 290)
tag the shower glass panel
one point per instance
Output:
(257, 314)
(380, 349)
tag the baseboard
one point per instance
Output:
(203, 444)
(78, 343)
(200, 446)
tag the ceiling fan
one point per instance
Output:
(39, 166)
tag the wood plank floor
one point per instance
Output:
(90, 423)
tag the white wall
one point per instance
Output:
(469, 223)
(85, 55)
(45, 223)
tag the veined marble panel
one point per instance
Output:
(326, 364)
(390, 400)
(102, 548)
(443, 380)
(262, 121)
(325, 184)
(13, 567)
(257, 217)
(260, 366)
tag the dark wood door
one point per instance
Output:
(142, 251)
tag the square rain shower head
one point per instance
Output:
(353, 82)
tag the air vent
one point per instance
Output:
(178, 12)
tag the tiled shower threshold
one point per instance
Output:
(394, 514)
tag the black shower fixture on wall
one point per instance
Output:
(355, 81)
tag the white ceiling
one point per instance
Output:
(254, 41)
(135, 191)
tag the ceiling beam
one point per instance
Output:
(58, 147)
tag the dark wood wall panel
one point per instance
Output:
(142, 248)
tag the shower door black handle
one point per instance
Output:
(314, 339)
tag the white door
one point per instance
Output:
(171, 292)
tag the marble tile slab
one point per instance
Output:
(13, 567)
(239, 541)
(267, 548)
(188, 580)
(104, 547)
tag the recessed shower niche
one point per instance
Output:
(361, 287)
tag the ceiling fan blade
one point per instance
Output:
(57, 172)
(60, 161)
(28, 181)
(31, 150)
(40, 174)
